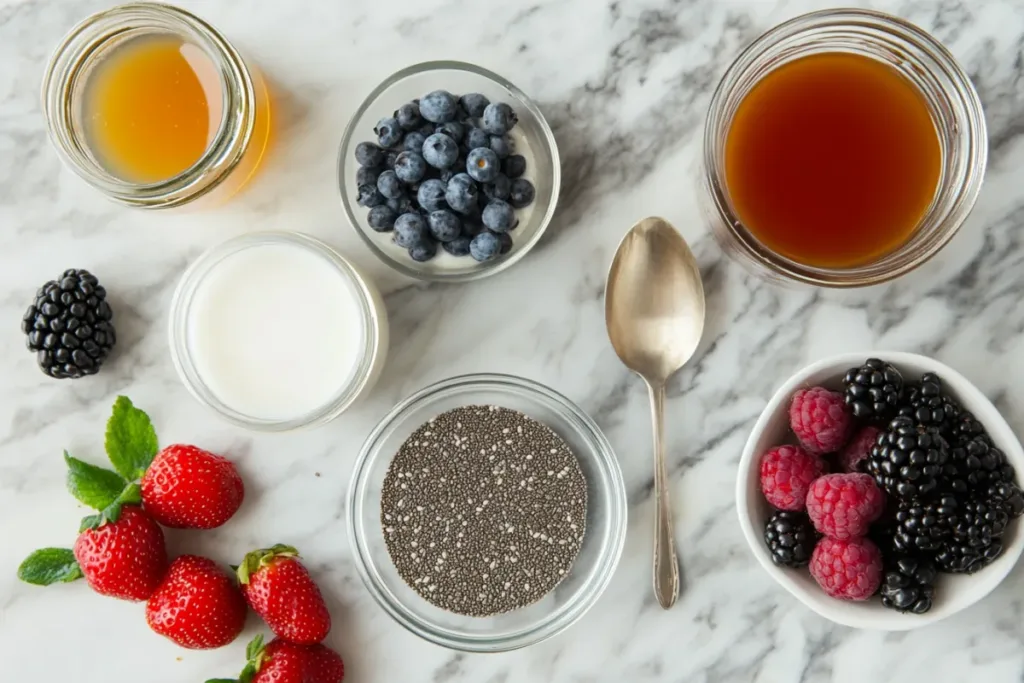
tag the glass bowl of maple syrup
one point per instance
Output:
(843, 148)
(153, 107)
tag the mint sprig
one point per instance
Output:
(130, 440)
(91, 485)
(50, 565)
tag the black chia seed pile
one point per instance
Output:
(483, 510)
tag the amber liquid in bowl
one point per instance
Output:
(832, 160)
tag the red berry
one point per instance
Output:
(124, 559)
(820, 419)
(198, 605)
(278, 588)
(786, 476)
(283, 662)
(323, 665)
(847, 569)
(844, 505)
(188, 488)
(858, 449)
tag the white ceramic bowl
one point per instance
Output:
(953, 592)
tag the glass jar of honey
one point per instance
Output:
(155, 108)
(842, 148)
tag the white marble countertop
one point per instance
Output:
(625, 85)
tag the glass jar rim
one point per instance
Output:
(74, 56)
(950, 78)
(371, 354)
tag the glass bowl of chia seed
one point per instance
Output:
(486, 513)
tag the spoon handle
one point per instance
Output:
(666, 564)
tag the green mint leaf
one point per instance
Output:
(131, 495)
(48, 566)
(131, 440)
(91, 485)
(91, 522)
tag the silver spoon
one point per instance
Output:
(654, 309)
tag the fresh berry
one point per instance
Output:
(69, 325)
(188, 488)
(522, 193)
(974, 465)
(452, 129)
(476, 139)
(506, 242)
(440, 151)
(908, 459)
(515, 166)
(438, 107)
(474, 104)
(483, 165)
(858, 450)
(461, 193)
(370, 196)
(498, 216)
(975, 540)
(501, 146)
(390, 158)
(908, 585)
(790, 538)
(786, 475)
(369, 155)
(927, 405)
(444, 225)
(389, 185)
(367, 176)
(485, 247)
(498, 118)
(923, 527)
(458, 246)
(847, 569)
(966, 428)
(408, 116)
(279, 588)
(125, 559)
(283, 662)
(820, 420)
(431, 195)
(501, 188)
(1007, 497)
(423, 251)
(844, 505)
(382, 218)
(198, 605)
(874, 390)
(389, 133)
(410, 230)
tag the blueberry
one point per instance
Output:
(410, 230)
(389, 133)
(501, 146)
(458, 246)
(515, 166)
(498, 118)
(444, 225)
(501, 188)
(474, 103)
(410, 167)
(522, 193)
(414, 142)
(369, 196)
(431, 195)
(427, 129)
(461, 193)
(506, 242)
(446, 175)
(438, 107)
(499, 216)
(366, 176)
(485, 247)
(483, 165)
(424, 251)
(452, 129)
(382, 218)
(390, 159)
(477, 138)
(440, 151)
(369, 154)
(402, 205)
(389, 185)
(408, 116)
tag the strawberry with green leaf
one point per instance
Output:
(279, 588)
(284, 662)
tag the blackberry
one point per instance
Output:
(69, 325)
(908, 584)
(975, 465)
(1006, 497)
(921, 528)
(873, 390)
(966, 428)
(790, 538)
(975, 539)
(908, 459)
(927, 405)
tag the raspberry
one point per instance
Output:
(847, 570)
(858, 449)
(844, 505)
(786, 476)
(820, 419)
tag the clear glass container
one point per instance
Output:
(235, 150)
(532, 138)
(602, 542)
(370, 355)
(952, 101)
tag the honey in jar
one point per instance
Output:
(832, 160)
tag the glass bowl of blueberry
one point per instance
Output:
(449, 172)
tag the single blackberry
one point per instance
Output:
(69, 325)
(874, 390)
(908, 584)
(908, 459)
(975, 465)
(921, 528)
(927, 405)
(975, 540)
(966, 428)
(790, 538)
(1006, 497)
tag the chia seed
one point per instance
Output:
(483, 510)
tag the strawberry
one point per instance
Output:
(284, 662)
(198, 605)
(124, 559)
(188, 488)
(278, 588)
